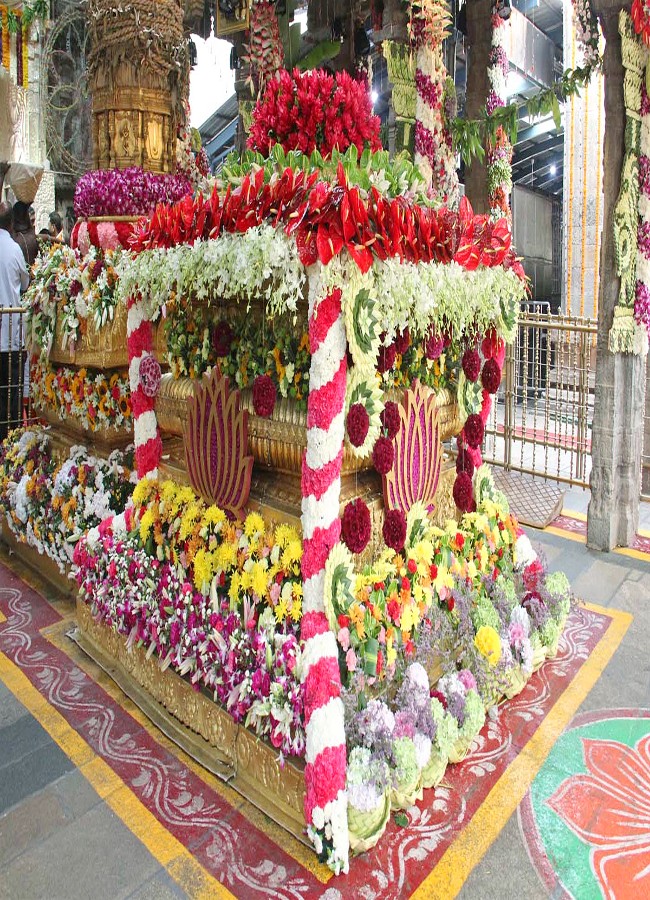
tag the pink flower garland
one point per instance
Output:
(325, 798)
(146, 435)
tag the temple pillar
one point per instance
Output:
(479, 35)
(613, 514)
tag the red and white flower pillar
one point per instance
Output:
(325, 797)
(144, 380)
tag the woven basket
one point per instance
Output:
(406, 793)
(434, 771)
(460, 749)
(366, 828)
(516, 682)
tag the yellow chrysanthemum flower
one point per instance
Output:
(233, 590)
(253, 525)
(281, 610)
(142, 491)
(296, 610)
(214, 516)
(146, 524)
(285, 534)
(202, 563)
(226, 556)
(488, 644)
(292, 553)
(189, 520)
(259, 579)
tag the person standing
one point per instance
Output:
(14, 279)
(24, 234)
(56, 227)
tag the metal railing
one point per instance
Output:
(14, 370)
(541, 420)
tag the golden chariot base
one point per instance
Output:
(67, 433)
(199, 726)
(45, 572)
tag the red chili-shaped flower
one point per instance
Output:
(390, 418)
(394, 529)
(473, 431)
(463, 492)
(383, 454)
(491, 376)
(358, 423)
(264, 395)
(355, 527)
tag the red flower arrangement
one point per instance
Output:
(312, 110)
(358, 423)
(463, 492)
(264, 396)
(355, 527)
(491, 376)
(390, 418)
(386, 359)
(473, 431)
(383, 454)
(471, 363)
(222, 338)
(402, 341)
(464, 462)
(434, 344)
(394, 529)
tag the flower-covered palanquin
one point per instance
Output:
(314, 561)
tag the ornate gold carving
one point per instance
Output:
(248, 763)
(103, 348)
(134, 126)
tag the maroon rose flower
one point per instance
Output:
(402, 341)
(394, 529)
(438, 695)
(75, 288)
(264, 395)
(491, 376)
(355, 527)
(386, 359)
(383, 454)
(463, 492)
(434, 344)
(471, 363)
(390, 418)
(464, 462)
(474, 431)
(222, 338)
(358, 423)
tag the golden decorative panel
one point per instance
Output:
(134, 126)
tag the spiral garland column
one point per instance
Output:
(325, 797)
(146, 435)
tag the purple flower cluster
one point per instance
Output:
(493, 102)
(425, 143)
(642, 305)
(643, 237)
(499, 57)
(126, 192)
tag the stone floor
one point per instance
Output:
(60, 837)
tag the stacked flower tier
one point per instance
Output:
(76, 329)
